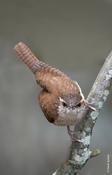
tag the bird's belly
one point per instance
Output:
(69, 119)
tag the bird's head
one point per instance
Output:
(69, 104)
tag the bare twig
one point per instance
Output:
(80, 153)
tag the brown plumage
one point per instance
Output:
(61, 97)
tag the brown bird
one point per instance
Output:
(61, 97)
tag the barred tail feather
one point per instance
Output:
(26, 55)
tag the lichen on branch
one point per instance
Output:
(80, 152)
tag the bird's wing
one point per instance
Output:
(54, 80)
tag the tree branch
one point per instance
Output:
(80, 153)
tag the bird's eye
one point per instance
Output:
(64, 104)
(78, 105)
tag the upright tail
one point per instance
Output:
(26, 55)
(46, 76)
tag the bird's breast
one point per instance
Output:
(66, 118)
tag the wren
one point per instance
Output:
(61, 98)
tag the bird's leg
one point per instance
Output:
(73, 135)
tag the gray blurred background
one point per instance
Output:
(73, 35)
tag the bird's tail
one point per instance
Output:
(26, 55)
